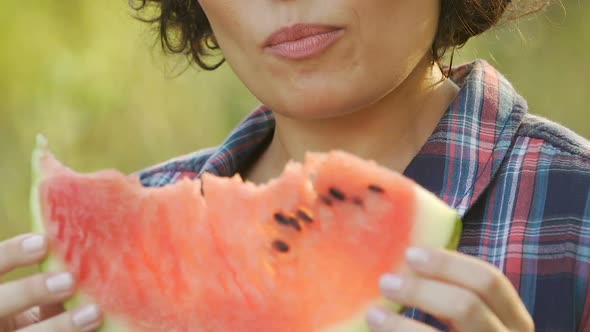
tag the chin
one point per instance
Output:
(324, 100)
(316, 105)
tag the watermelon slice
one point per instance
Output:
(303, 252)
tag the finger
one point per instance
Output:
(39, 289)
(21, 251)
(27, 318)
(383, 320)
(37, 314)
(459, 307)
(51, 310)
(480, 277)
(87, 318)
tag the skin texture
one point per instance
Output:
(377, 94)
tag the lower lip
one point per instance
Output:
(306, 47)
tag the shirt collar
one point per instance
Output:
(458, 161)
(466, 150)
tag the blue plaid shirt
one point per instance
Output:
(520, 182)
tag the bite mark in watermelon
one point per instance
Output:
(303, 252)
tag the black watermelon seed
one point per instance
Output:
(326, 200)
(280, 246)
(376, 188)
(357, 201)
(287, 221)
(337, 194)
(281, 218)
(304, 216)
(294, 223)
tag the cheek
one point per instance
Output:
(396, 43)
(229, 20)
(396, 34)
(238, 28)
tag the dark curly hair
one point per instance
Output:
(183, 27)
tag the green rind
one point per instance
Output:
(454, 242)
(37, 223)
(52, 263)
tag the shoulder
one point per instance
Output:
(551, 148)
(542, 192)
(172, 170)
(561, 139)
(552, 164)
(559, 155)
(544, 182)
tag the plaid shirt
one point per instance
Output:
(520, 182)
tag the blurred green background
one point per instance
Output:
(86, 75)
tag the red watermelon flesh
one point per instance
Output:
(303, 252)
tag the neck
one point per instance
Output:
(391, 131)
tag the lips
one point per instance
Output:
(298, 32)
(302, 41)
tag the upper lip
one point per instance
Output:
(296, 32)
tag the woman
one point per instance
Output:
(363, 76)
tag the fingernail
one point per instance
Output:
(376, 316)
(33, 244)
(86, 315)
(417, 255)
(60, 282)
(391, 282)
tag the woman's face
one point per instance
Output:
(362, 50)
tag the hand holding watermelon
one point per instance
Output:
(467, 293)
(42, 292)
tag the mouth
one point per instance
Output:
(302, 41)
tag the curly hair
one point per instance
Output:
(183, 27)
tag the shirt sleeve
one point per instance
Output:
(583, 270)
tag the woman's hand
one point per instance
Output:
(463, 292)
(34, 304)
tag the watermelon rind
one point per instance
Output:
(437, 224)
(52, 263)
